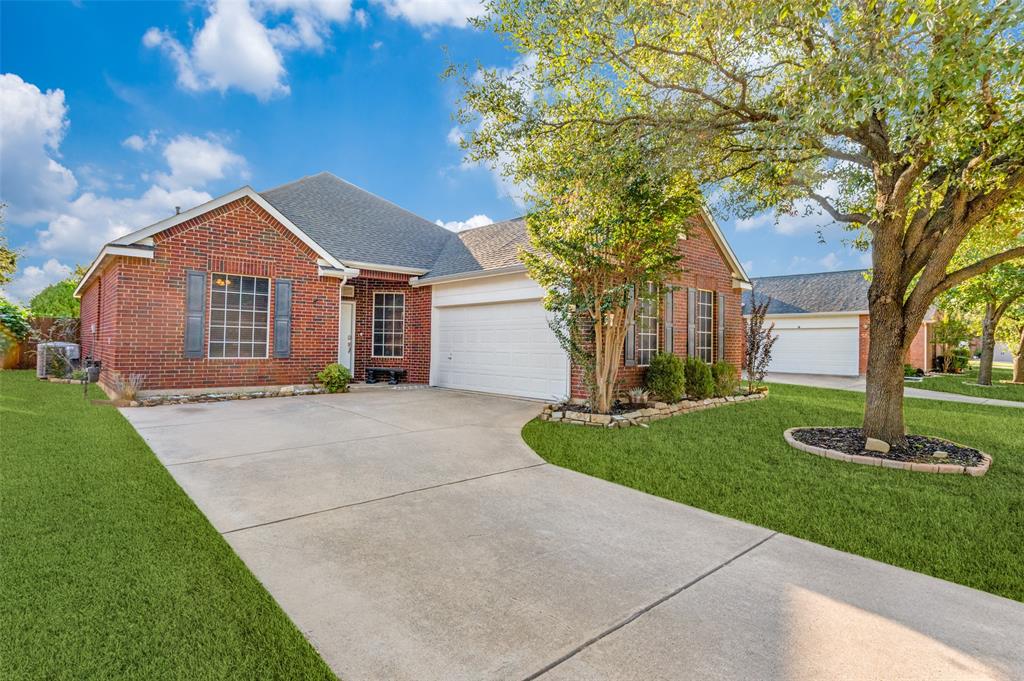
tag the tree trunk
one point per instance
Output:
(988, 344)
(1018, 359)
(883, 407)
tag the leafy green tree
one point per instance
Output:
(8, 256)
(56, 300)
(1011, 332)
(900, 120)
(989, 296)
(951, 332)
(603, 236)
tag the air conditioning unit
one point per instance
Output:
(348, 291)
(45, 350)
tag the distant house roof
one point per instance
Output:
(845, 291)
(490, 247)
(356, 226)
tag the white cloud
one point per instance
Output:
(462, 225)
(236, 48)
(754, 222)
(831, 261)
(432, 12)
(138, 142)
(362, 18)
(376, 45)
(195, 161)
(32, 125)
(32, 279)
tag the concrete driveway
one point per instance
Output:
(411, 534)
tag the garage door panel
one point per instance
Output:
(505, 348)
(833, 351)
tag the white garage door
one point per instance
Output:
(832, 351)
(506, 348)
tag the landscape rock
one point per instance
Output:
(875, 445)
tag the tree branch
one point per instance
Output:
(837, 215)
(980, 267)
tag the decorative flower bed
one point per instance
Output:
(922, 454)
(577, 412)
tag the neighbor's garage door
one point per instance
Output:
(506, 348)
(816, 346)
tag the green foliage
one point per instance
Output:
(79, 374)
(335, 378)
(56, 300)
(951, 331)
(14, 324)
(726, 377)
(960, 358)
(666, 377)
(56, 364)
(699, 383)
(910, 370)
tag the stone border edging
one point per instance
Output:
(641, 417)
(948, 468)
(193, 398)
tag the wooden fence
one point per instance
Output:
(44, 329)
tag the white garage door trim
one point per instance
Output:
(827, 345)
(491, 335)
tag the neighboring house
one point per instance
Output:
(822, 323)
(254, 289)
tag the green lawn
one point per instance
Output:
(733, 461)
(965, 385)
(107, 569)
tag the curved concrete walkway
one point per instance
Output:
(411, 534)
(856, 384)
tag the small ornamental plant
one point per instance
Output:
(699, 384)
(726, 378)
(666, 377)
(335, 378)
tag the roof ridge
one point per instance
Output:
(493, 224)
(814, 274)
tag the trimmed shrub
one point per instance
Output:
(335, 378)
(961, 357)
(699, 384)
(666, 377)
(725, 377)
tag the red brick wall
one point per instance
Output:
(148, 329)
(704, 267)
(99, 308)
(89, 316)
(416, 359)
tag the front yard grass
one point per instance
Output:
(107, 569)
(734, 461)
(966, 384)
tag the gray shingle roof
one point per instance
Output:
(482, 248)
(354, 225)
(845, 291)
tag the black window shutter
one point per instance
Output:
(669, 316)
(691, 319)
(721, 327)
(195, 313)
(282, 318)
(629, 346)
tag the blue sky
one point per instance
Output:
(118, 112)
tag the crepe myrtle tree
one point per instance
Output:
(603, 233)
(902, 121)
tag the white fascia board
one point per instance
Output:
(788, 315)
(145, 252)
(246, 191)
(343, 273)
(463, 276)
(397, 269)
(739, 283)
(737, 267)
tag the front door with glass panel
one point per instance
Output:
(347, 335)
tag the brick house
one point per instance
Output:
(261, 289)
(822, 324)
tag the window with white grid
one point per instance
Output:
(239, 316)
(647, 327)
(705, 325)
(388, 324)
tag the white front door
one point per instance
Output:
(347, 335)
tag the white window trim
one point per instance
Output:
(209, 318)
(696, 341)
(657, 329)
(373, 322)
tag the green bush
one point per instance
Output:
(725, 377)
(666, 377)
(335, 378)
(699, 384)
(14, 320)
(961, 356)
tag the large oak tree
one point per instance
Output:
(903, 121)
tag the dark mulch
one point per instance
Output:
(919, 448)
(617, 408)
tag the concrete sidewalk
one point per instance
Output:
(856, 384)
(413, 535)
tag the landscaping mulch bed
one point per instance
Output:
(919, 449)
